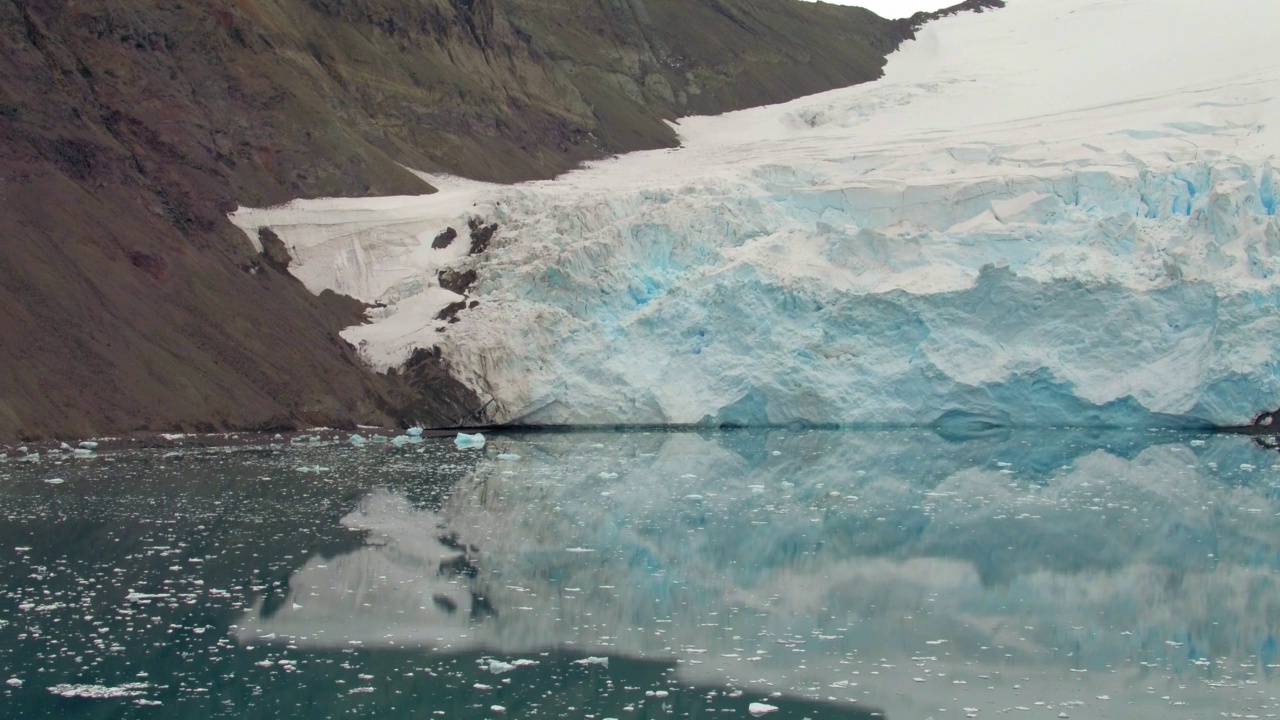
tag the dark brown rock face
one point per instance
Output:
(129, 128)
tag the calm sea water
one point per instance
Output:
(796, 574)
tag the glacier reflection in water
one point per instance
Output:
(1070, 574)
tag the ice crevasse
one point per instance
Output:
(1058, 213)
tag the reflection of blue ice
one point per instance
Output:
(1090, 561)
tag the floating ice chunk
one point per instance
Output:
(136, 596)
(758, 709)
(63, 446)
(99, 692)
(14, 682)
(357, 440)
(33, 457)
(497, 667)
(55, 481)
(414, 432)
(469, 441)
(508, 456)
(497, 708)
(593, 660)
(400, 440)
(83, 452)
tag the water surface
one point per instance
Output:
(823, 574)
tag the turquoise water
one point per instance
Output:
(819, 574)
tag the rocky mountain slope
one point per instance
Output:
(128, 129)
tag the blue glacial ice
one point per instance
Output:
(1123, 298)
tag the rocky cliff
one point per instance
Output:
(129, 128)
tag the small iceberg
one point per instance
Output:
(414, 432)
(357, 440)
(464, 441)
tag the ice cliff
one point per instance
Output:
(1059, 213)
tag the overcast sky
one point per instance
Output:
(896, 8)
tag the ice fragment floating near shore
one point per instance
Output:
(99, 692)
(464, 441)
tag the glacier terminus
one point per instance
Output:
(1059, 213)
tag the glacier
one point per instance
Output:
(1062, 213)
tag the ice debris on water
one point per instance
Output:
(469, 441)
(135, 596)
(508, 456)
(414, 432)
(14, 682)
(497, 667)
(55, 481)
(593, 660)
(357, 440)
(88, 445)
(758, 708)
(99, 692)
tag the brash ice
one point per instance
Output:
(1058, 213)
